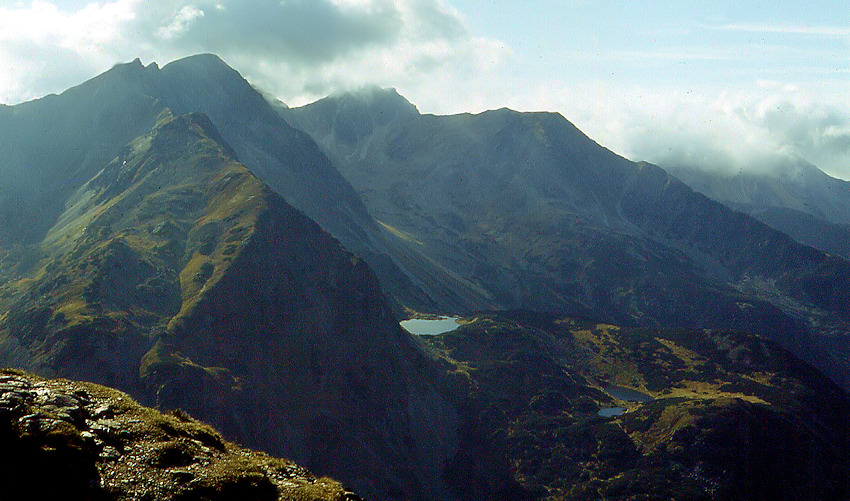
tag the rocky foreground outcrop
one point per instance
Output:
(74, 440)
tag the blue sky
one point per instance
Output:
(672, 43)
(719, 85)
(726, 85)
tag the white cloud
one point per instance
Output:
(45, 49)
(182, 21)
(755, 127)
(821, 31)
(751, 128)
(419, 46)
(301, 50)
(298, 50)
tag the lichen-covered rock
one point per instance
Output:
(73, 440)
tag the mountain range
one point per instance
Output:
(178, 276)
(527, 209)
(171, 233)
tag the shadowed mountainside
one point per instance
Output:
(178, 276)
(526, 207)
(798, 199)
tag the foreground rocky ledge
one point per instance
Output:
(76, 440)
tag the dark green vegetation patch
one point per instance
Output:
(733, 416)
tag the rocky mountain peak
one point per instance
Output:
(385, 102)
(356, 114)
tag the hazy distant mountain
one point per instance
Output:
(526, 207)
(798, 199)
(178, 276)
(796, 185)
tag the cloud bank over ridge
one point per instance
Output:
(299, 50)
(438, 57)
(758, 129)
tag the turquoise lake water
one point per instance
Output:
(424, 327)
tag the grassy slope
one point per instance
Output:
(732, 415)
(130, 251)
(178, 276)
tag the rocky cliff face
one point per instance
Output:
(73, 440)
(177, 275)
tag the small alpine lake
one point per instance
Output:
(611, 411)
(429, 326)
(627, 394)
(624, 394)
